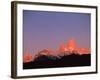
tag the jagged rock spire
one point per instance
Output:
(71, 45)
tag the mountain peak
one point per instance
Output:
(71, 45)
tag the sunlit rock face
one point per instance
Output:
(48, 53)
(68, 48)
(72, 47)
(28, 57)
(84, 51)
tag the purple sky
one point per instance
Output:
(47, 30)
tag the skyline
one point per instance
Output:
(47, 30)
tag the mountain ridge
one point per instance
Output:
(64, 50)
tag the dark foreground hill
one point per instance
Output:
(65, 61)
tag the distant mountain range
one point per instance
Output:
(64, 50)
(66, 56)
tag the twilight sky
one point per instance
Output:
(47, 30)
